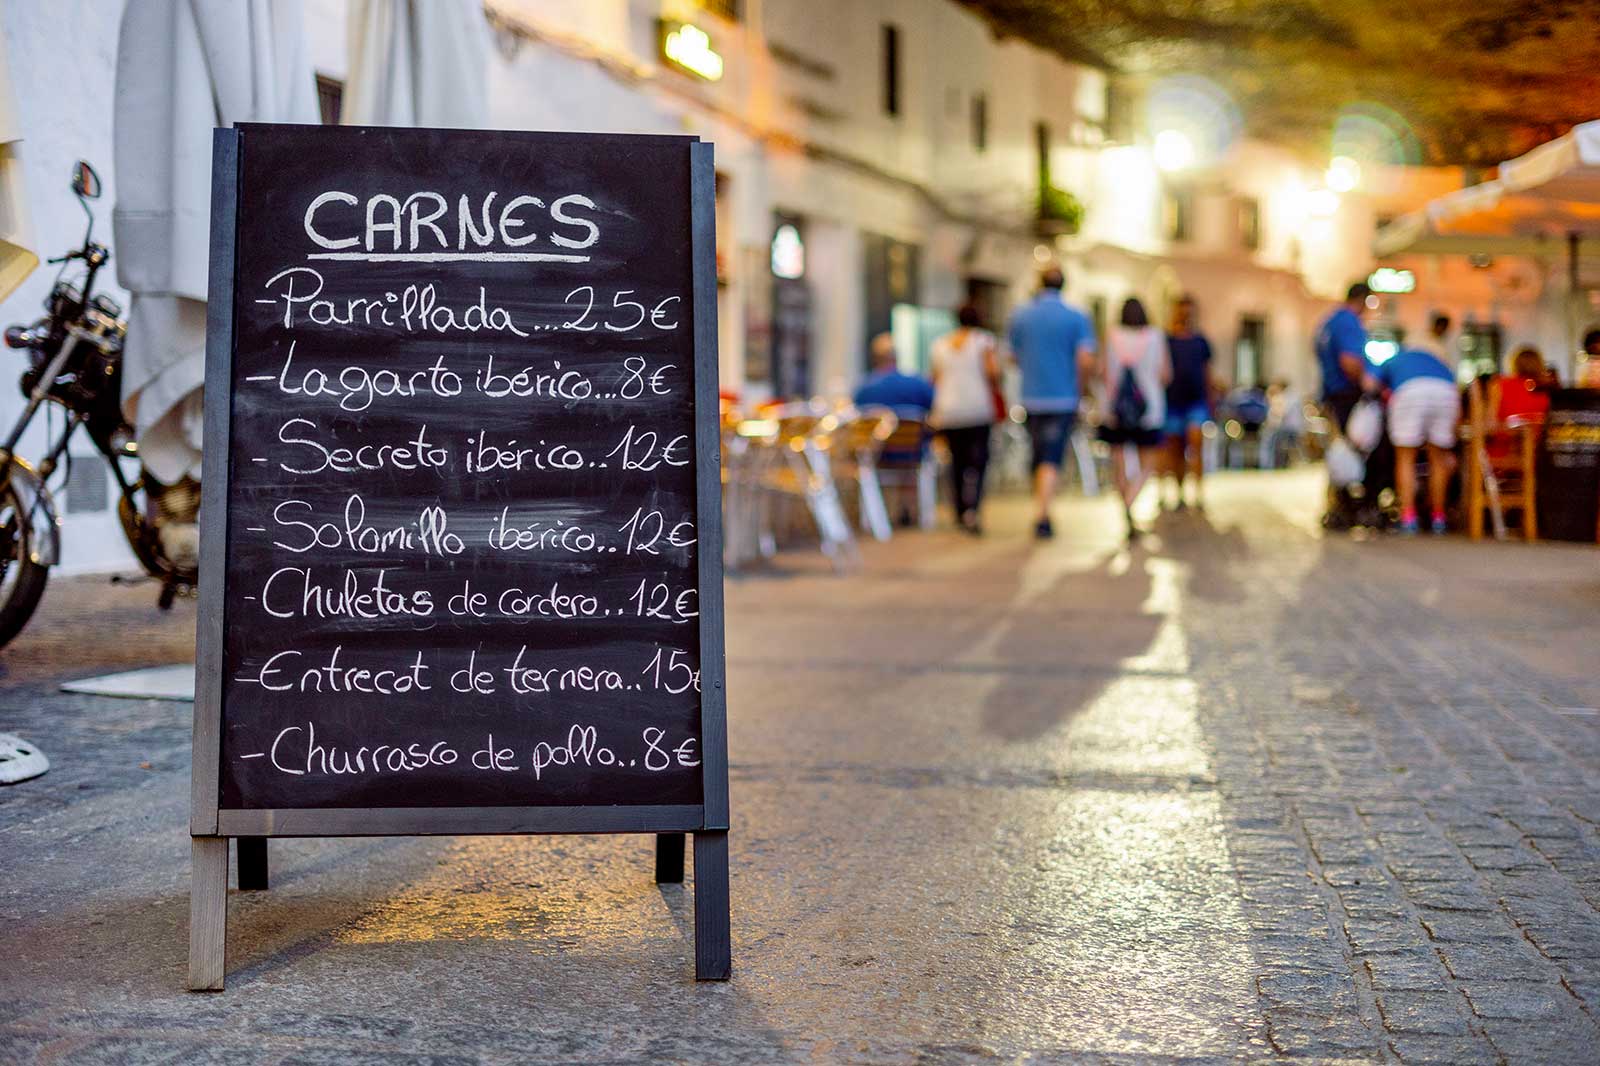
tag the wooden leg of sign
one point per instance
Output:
(252, 864)
(713, 947)
(669, 858)
(208, 913)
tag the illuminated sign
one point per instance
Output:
(1388, 279)
(689, 48)
(788, 252)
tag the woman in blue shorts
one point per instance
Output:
(1188, 398)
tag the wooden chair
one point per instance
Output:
(907, 470)
(1497, 483)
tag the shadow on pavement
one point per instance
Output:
(1077, 631)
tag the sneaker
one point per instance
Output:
(1408, 526)
(1044, 530)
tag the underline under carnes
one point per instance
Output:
(451, 257)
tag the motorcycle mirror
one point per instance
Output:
(85, 182)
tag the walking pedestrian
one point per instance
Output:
(1137, 371)
(1188, 398)
(1052, 341)
(1424, 408)
(1341, 346)
(966, 390)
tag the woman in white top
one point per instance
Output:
(1136, 372)
(966, 377)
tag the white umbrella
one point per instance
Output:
(17, 260)
(417, 63)
(183, 68)
(1538, 199)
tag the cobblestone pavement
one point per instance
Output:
(1243, 794)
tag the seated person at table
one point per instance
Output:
(910, 397)
(1424, 408)
(907, 395)
(1521, 393)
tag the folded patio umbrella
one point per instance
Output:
(183, 68)
(417, 63)
(17, 259)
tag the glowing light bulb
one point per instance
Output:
(1344, 173)
(1173, 150)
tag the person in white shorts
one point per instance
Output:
(1424, 409)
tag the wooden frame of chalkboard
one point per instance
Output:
(213, 821)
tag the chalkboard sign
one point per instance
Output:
(461, 565)
(1568, 470)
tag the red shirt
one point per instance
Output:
(1519, 399)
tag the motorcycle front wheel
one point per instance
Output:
(22, 580)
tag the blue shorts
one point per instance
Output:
(1179, 419)
(1049, 433)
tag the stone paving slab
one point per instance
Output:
(1242, 794)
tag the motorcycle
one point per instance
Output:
(75, 364)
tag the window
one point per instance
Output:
(1177, 212)
(1119, 113)
(330, 99)
(891, 69)
(980, 121)
(1250, 352)
(1250, 222)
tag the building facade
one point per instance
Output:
(879, 162)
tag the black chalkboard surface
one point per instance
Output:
(1568, 472)
(460, 531)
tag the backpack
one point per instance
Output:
(1130, 405)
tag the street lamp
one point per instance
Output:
(1344, 173)
(1173, 150)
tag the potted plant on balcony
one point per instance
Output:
(1058, 213)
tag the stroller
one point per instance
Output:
(1368, 500)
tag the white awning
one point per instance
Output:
(1535, 203)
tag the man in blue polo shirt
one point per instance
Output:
(1341, 346)
(1051, 342)
(1342, 354)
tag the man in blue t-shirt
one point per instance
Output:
(1342, 354)
(1341, 346)
(1051, 341)
(1424, 408)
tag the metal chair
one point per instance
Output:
(800, 471)
(858, 444)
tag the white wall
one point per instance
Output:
(62, 56)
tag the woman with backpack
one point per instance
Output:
(1137, 370)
